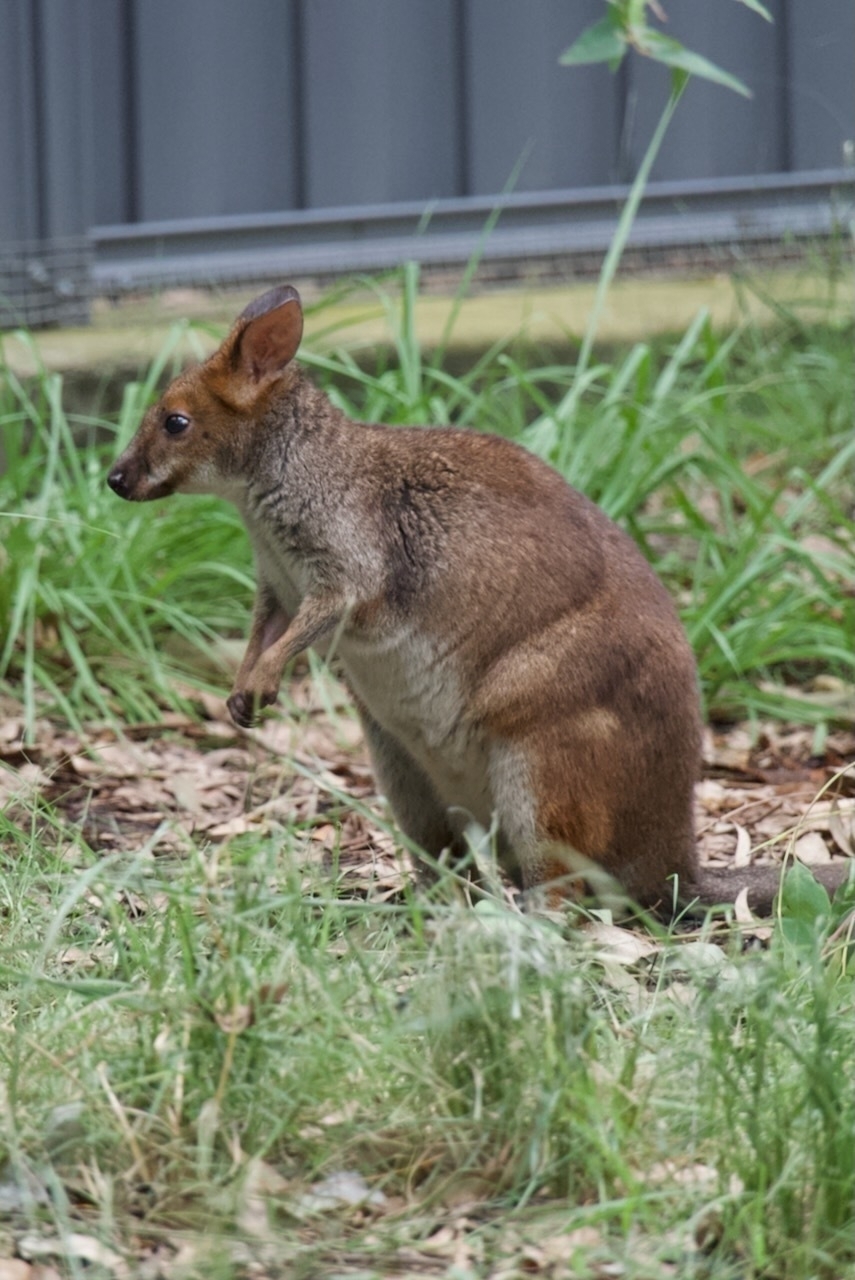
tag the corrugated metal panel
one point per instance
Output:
(216, 87)
(820, 80)
(68, 171)
(112, 94)
(524, 106)
(19, 138)
(382, 101)
(126, 112)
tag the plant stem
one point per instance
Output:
(567, 408)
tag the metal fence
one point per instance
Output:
(122, 120)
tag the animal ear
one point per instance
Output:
(267, 334)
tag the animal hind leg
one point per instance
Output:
(417, 808)
(547, 848)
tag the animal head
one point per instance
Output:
(194, 438)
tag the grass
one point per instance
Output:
(729, 458)
(523, 1098)
(86, 598)
(204, 1020)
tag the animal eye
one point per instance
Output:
(175, 424)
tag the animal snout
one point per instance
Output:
(118, 482)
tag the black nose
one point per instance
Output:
(118, 483)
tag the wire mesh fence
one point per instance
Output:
(551, 238)
(45, 282)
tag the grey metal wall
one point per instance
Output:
(122, 111)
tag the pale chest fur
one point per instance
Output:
(412, 688)
(407, 679)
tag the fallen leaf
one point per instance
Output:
(812, 849)
(742, 855)
(624, 946)
(235, 1020)
(78, 957)
(841, 825)
(260, 1183)
(74, 1246)
(112, 759)
(338, 1190)
(21, 1194)
(702, 1176)
(236, 826)
(343, 1115)
(741, 910)
(15, 1269)
(701, 960)
(325, 834)
(186, 792)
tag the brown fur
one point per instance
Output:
(512, 655)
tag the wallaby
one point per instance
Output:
(513, 658)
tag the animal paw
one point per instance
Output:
(244, 706)
(242, 709)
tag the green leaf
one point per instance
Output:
(603, 42)
(844, 899)
(679, 80)
(805, 911)
(673, 54)
(800, 935)
(803, 897)
(757, 7)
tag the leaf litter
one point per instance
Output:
(189, 778)
(764, 794)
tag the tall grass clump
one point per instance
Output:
(778, 1047)
(89, 592)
